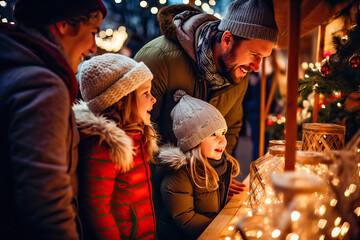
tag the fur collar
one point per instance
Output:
(120, 144)
(165, 19)
(172, 157)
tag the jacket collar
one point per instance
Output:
(119, 143)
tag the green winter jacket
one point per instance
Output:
(174, 67)
(186, 209)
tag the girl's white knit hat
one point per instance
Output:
(194, 120)
(107, 78)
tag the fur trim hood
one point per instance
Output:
(120, 144)
(172, 157)
(187, 26)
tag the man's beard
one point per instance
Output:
(228, 68)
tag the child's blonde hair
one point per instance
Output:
(125, 114)
(201, 169)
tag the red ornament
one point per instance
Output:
(269, 122)
(325, 69)
(355, 61)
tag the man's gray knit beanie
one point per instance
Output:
(253, 19)
(194, 120)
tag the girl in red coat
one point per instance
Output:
(117, 143)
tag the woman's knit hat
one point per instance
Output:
(107, 78)
(42, 13)
(194, 120)
(253, 19)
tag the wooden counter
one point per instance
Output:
(224, 224)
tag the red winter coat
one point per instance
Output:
(115, 203)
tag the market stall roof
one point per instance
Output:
(313, 14)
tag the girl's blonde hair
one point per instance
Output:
(202, 171)
(125, 114)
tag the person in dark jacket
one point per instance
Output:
(39, 56)
(208, 58)
(117, 143)
(195, 176)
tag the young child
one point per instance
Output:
(117, 143)
(195, 176)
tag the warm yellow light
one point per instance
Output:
(3, 4)
(276, 233)
(357, 211)
(251, 234)
(333, 202)
(122, 29)
(118, 1)
(311, 65)
(197, 2)
(292, 236)
(249, 213)
(322, 237)
(335, 181)
(154, 10)
(231, 228)
(337, 221)
(4, 20)
(143, 4)
(317, 64)
(345, 228)
(335, 232)
(295, 215)
(205, 7)
(259, 234)
(304, 65)
(162, 1)
(211, 11)
(352, 188)
(228, 238)
(212, 2)
(185, 1)
(338, 104)
(347, 193)
(109, 32)
(322, 223)
(322, 210)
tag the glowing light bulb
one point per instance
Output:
(231, 228)
(322, 223)
(337, 221)
(295, 215)
(335, 232)
(109, 32)
(143, 4)
(205, 7)
(333, 202)
(345, 228)
(154, 10)
(162, 1)
(118, 1)
(276, 233)
(3, 4)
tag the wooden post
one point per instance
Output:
(319, 57)
(292, 84)
(262, 110)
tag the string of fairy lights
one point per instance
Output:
(112, 40)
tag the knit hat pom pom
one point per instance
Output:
(179, 94)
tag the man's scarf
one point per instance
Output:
(50, 55)
(205, 57)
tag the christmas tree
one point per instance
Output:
(338, 80)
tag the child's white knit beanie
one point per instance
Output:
(107, 78)
(194, 120)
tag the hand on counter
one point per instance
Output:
(236, 187)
